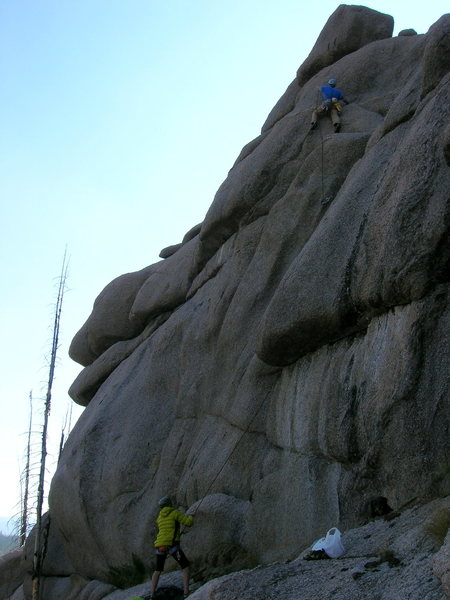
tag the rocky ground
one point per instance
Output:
(401, 556)
(398, 557)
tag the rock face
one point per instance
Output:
(288, 361)
(348, 29)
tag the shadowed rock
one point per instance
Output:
(166, 252)
(11, 575)
(407, 32)
(446, 145)
(436, 57)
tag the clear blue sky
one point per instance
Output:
(118, 122)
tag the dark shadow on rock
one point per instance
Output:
(170, 592)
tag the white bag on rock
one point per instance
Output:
(331, 544)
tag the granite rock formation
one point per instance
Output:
(288, 360)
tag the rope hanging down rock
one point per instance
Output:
(328, 198)
(252, 420)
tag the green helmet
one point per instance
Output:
(165, 501)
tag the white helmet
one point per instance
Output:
(332, 82)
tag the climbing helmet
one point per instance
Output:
(165, 501)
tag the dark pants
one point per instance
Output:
(175, 551)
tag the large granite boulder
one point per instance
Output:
(288, 361)
(436, 59)
(227, 551)
(348, 29)
(11, 575)
(109, 321)
(167, 285)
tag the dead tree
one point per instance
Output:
(39, 539)
(26, 481)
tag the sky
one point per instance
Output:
(119, 120)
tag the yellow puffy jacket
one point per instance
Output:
(168, 522)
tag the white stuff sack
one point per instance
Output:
(331, 544)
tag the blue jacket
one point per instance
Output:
(329, 92)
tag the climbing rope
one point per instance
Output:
(231, 453)
(322, 159)
(321, 167)
(324, 201)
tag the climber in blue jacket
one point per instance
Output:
(333, 98)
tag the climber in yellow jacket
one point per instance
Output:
(167, 541)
